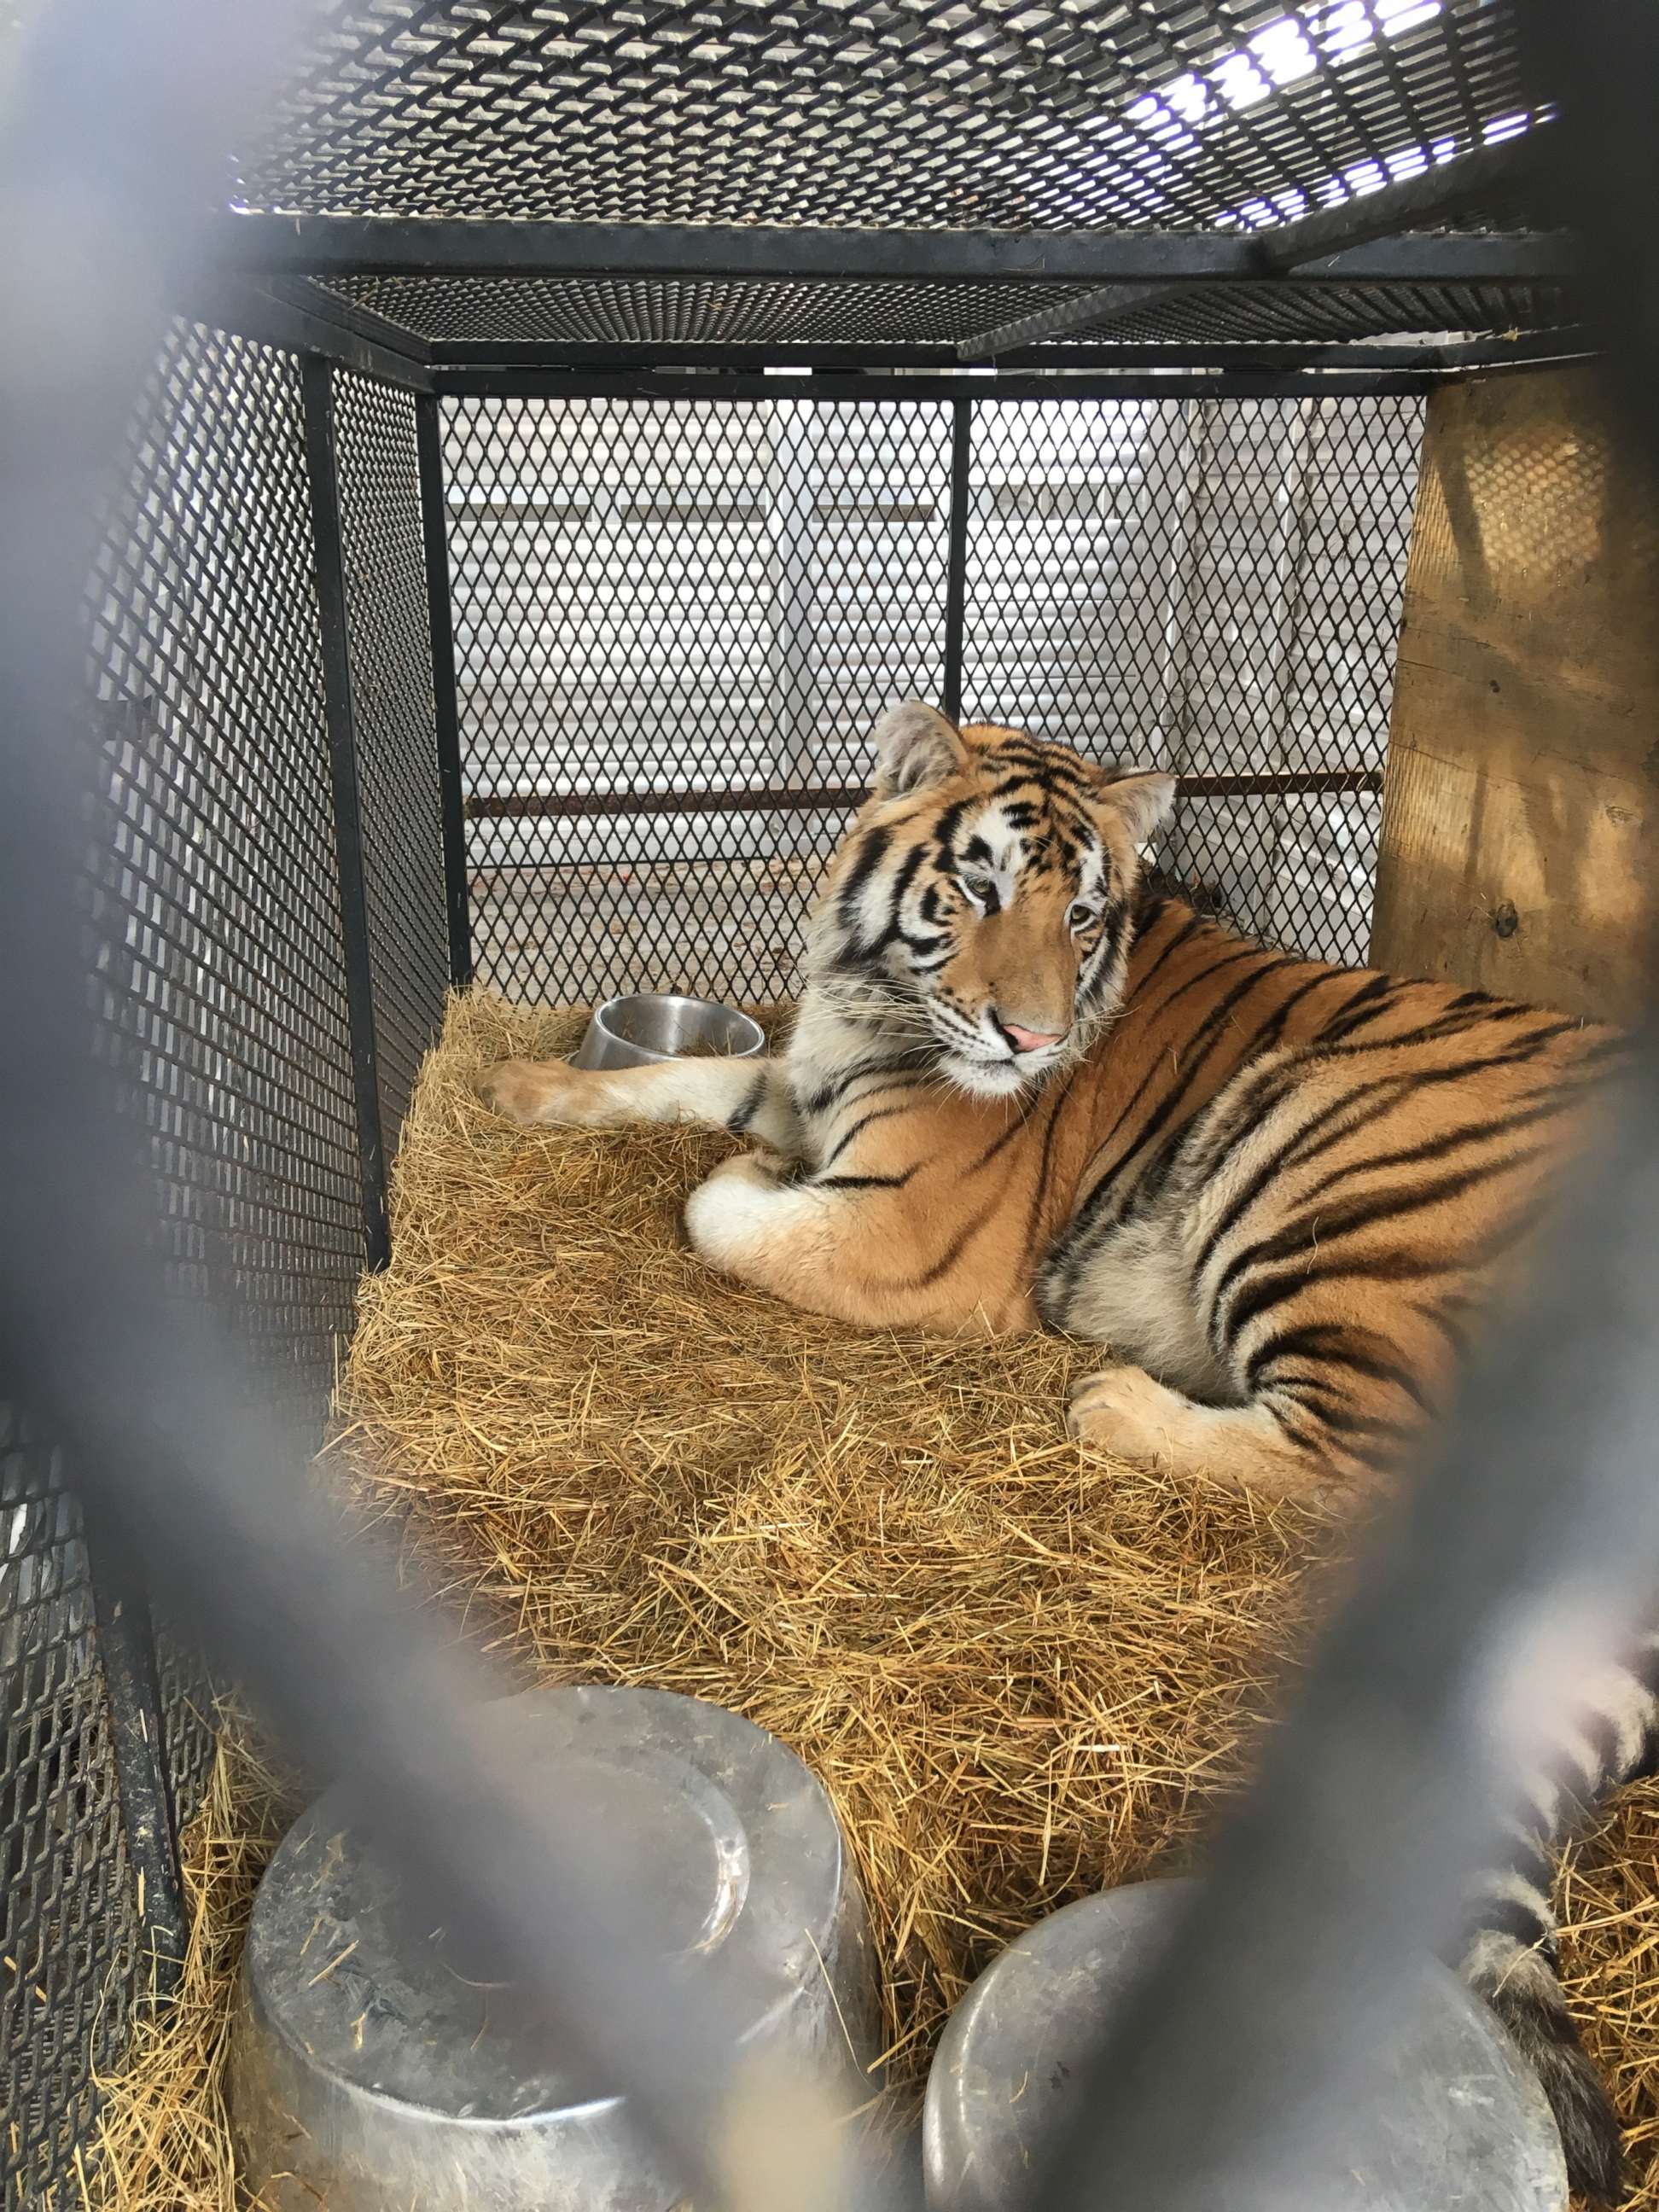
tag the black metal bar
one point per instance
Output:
(981, 384)
(396, 246)
(1432, 257)
(1315, 783)
(309, 298)
(321, 460)
(956, 571)
(1489, 259)
(137, 1723)
(782, 798)
(434, 520)
(250, 311)
(1269, 357)
(769, 799)
(405, 247)
(1312, 247)
(1438, 193)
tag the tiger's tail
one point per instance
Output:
(1518, 1979)
(1511, 1956)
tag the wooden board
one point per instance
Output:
(1522, 790)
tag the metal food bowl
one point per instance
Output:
(370, 2072)
(632, 1032)
(1455, 2120)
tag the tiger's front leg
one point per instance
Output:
(746, 1096)
(752, 1219)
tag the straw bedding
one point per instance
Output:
(1022, 1673)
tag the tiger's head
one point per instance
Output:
(980, 907)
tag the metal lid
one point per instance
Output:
(1457, 2121)
(377, 2039)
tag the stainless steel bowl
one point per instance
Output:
(633, 1032)
(1454, 2120)
(370, 2070)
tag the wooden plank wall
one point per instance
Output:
(1523, 783)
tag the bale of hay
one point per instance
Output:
(1022, 1673)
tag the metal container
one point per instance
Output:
(370, 2070)
(1455, 2121)
(632, 1032)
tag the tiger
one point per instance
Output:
(1018, 1094)
(1029, 1086)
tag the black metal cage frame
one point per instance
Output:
(920, 221)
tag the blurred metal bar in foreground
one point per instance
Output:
(1524, 1559)
(105, 175)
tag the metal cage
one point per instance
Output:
(592, 418)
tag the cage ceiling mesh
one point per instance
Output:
(514, 311)
(941, 113)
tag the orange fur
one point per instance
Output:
(1277, 1189)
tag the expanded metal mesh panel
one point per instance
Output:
(69, 1919)
(216, 927)
(676, 623)
(670, 598)
(217, 995)
(1243, 313)
(187, 1716)
(950, 111)
(1213, 588)
(625, 312)
(509, 311)
(389, 641)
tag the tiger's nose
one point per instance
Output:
(1024, 1040)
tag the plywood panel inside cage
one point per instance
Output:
(1519, 812)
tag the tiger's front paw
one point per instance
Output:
(530, 1091)
(1122, 1410)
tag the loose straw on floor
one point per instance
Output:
(1022, 1673)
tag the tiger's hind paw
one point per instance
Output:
(1130, 1415)
(1123, 1412)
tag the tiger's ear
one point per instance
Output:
(915, 746)
(1145, 797)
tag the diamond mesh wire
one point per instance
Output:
(389, 640)
(217, 987)
(678, 597)
(683, 311)
(215, 913)
(509, 311)
(944, 112)
(673, 619)
(1214, 587)
(69, 1920)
